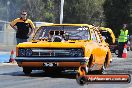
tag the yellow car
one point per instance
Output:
(57, 47)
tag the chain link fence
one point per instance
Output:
(7, 36)
(7, 40)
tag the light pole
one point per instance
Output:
(8, 3)
(61, 13)
(7, 20)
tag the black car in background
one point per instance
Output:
(109, 37)
(114, 47)
(130, 38)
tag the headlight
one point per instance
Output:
(28, 52)
(77, 53)
(72, 53)
(24, 52)
(21, 52)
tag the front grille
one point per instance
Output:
(55, 52)
(50, 52)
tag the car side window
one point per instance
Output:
(98, 38)
(93, 36)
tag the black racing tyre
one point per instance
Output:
(27, 70)
(81, 80)
(128, 48)
(103, 68)
(116, 52)
(101, 71)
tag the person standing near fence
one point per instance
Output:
(23, 26)
(122, 40)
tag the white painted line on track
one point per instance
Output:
(3, 64)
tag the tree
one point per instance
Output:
(117, 12)
(38, 10)
(83, 11)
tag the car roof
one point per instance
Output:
(90, 26)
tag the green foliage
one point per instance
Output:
(83, 11)
(109, 13)
(117, 12)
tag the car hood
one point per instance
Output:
(45, 44)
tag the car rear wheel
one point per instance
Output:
(81, 80)
(27, 70)
(104, 66)
(102, 70)
(128, 48)
(116, 52)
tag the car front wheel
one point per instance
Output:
(103, 68)
(27, 70)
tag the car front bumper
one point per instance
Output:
(62, 62)
(53, 59)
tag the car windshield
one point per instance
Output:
(74, 32)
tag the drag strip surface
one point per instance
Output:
(11, 76)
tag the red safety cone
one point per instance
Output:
(124, 54)
(12, 57)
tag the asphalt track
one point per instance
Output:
(11, 76)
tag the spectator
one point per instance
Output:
(122, 39)
(24, 27)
